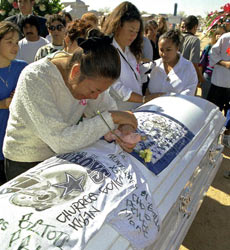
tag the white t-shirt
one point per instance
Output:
(28, 50)
(218, 52)
(182, 79)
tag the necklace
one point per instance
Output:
(5, 81)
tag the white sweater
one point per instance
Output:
(44, 116)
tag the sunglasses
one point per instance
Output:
(59, 27)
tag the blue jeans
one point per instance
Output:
(227, 123)
(205, 86)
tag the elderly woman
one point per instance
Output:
(125, 24)
(55, 106)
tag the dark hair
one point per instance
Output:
(173, 35)
(94, 32)
(6, 27)
(150, 23)
(77, 28)
(125, 12)
(190, 22)
(97, 58)
(65, 14)
(55, 17)
(32, 20)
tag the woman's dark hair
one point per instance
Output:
(32, 20)
(125, 12)
(6, 27)
(97, 58)
(173, 35)
(55, 17)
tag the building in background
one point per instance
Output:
(76, 8)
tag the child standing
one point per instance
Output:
(10, 70)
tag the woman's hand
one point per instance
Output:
(124, 117)
(152, 96)
(125, 136)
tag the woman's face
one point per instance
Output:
(152, 31)
(126, 34)
(88, 88)
(167, 50)
(160, 24)
(9, 46)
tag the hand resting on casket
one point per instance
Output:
(126, 137)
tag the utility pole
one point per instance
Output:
(175, 13)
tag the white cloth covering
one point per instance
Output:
(182, 79)
(44, 116)
(28, 50)
(218, 52)
(127, 82)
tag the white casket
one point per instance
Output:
(102, 198)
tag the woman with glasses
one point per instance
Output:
(10, 70)
(56, 26)
(125, 25)
(57, 104)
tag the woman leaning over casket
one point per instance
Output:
(55, 105)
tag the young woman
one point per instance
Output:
(125, 24)
(55, 107)
(162, 26)
(10, 70)
(151, 33)
(172, 73)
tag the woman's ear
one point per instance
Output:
(75, 71)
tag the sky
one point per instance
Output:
(189, 7)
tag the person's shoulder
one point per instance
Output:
(12, 18)
(44, 40)
(18, 65)
(225, 36)
(19, 62)
(185, 63)
(158, 62)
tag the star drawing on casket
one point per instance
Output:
(71, 184)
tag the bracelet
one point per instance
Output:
(143, 99)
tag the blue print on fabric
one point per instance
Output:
(165, 137)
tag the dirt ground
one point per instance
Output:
(210, 229)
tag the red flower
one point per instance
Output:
(228, 51)
(15, 5)
(227, 7)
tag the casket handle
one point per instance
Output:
(185, 200)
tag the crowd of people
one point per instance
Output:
(65, 83)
